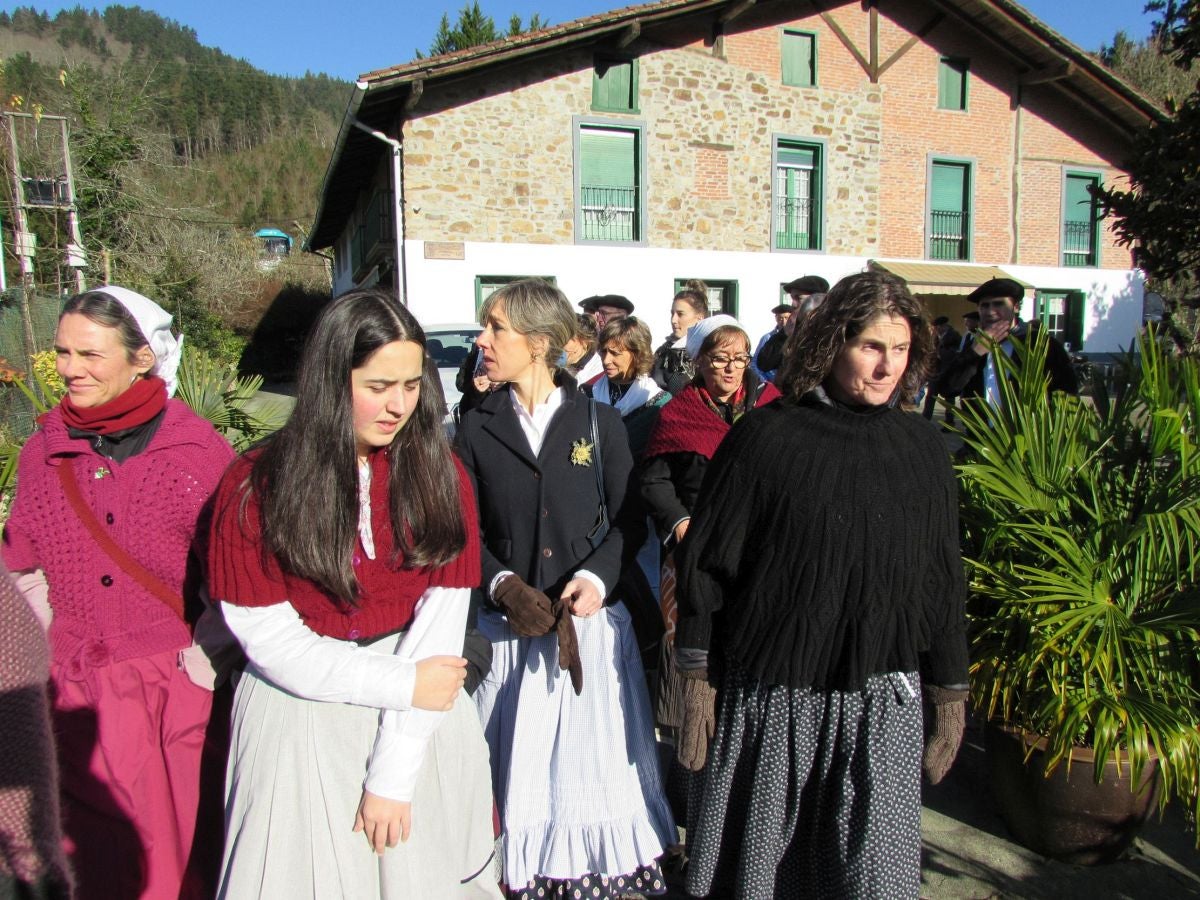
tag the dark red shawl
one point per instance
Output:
(687, 425)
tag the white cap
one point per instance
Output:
(702, 329)
(155, 324)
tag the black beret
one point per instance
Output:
(589, 304)
(809, 284)
(783, 308)
(613, 300)
(941, 320)
(998, 287)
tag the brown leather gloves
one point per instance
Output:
(699, 719)
(948, 712)
(531, 614)
(528, 609)
(568, 645)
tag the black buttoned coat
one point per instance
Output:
(535, 512)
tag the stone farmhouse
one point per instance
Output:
(745, 143)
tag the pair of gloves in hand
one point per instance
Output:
(948, 711)
(532, 614)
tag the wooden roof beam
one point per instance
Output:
(630, 34)
(1048, 75)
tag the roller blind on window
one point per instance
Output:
(608, 157)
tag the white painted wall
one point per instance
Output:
(443, 291)
(1113, 315)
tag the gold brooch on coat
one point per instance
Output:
(581, 453)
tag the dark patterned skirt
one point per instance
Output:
(647, 881)
(810, 793)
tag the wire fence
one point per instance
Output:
(16, 413)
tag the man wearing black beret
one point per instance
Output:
(802, 287)
(973, 372)
(605, 308)
(782, 313)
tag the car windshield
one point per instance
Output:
(449, 348)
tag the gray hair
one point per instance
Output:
(535, 308)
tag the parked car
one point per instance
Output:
(448, 346)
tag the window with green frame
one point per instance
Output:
(1061, 314)
(486, 285)
(949, 210)
(798, 177)
(952, 83)
(614, 85)
(722, 295)
(1081, 220)
(799, 55)
(608, 184)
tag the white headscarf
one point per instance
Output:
(155, 324)
(702, 329)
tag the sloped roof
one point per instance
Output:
(380, 96)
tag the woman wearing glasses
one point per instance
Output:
(688, 431)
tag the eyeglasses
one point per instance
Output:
(722, 362)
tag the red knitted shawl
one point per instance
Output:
(240, 573)
(687, 425)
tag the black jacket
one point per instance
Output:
(536, 512)
(964, 373)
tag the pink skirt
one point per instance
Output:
(135, 759)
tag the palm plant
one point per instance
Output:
(216, 392)
(1082, 523)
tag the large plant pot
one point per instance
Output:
(1066, 815)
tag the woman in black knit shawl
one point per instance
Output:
(821, 593)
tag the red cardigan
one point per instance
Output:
(239, 571)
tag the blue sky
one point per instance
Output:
(288, 37)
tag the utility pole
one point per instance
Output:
(56, 193)
(25, 242)
(76, 257)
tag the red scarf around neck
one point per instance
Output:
(144, 400)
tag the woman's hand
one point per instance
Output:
(384, 822)
(439, 679)
(582, 597)
(681, 529)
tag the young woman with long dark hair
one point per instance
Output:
(342, 552)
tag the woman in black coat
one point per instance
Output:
(574, 759)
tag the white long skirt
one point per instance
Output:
(294, 782)
(577, 778)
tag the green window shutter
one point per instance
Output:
(1079, 202)
(796, 155)
(613, 85)
(949, 189)
(952, 83)
(949, 211)
(1075, 321)
(608, 184)
(608, 158)
(799, 59)
(1080, 229)
(798, 196)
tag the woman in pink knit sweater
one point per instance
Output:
(109, 493)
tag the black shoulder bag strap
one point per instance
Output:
(600, 529)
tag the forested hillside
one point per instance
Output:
(179, 153)
(203, 103)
